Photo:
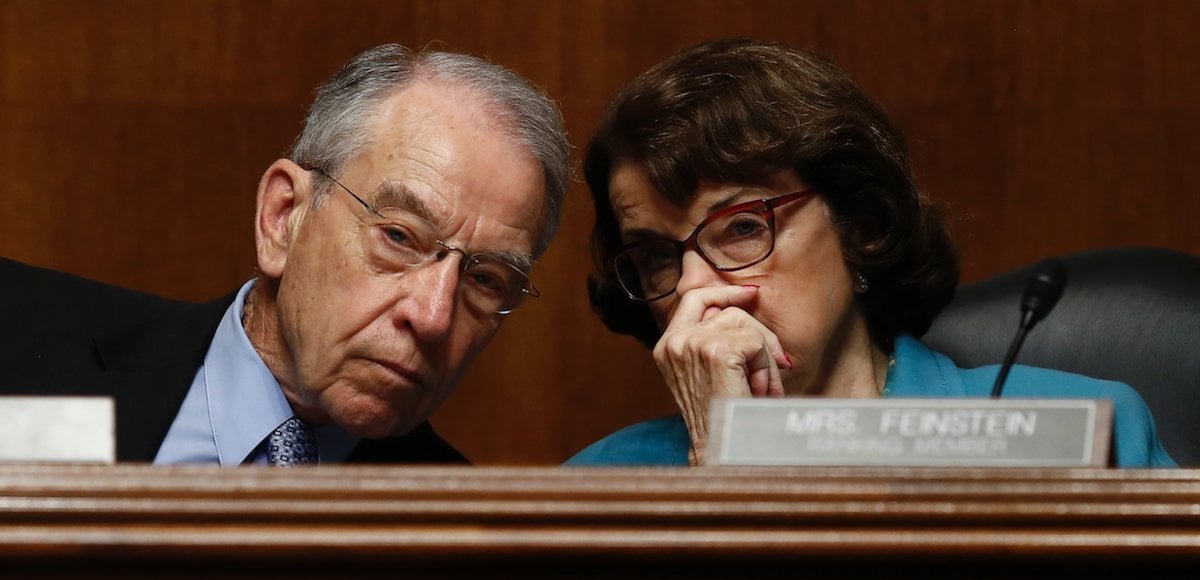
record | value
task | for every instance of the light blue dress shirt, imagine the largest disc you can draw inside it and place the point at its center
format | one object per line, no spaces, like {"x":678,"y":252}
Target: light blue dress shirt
{"x":234,"y":402}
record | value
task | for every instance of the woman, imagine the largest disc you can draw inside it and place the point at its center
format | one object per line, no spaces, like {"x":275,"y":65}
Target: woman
{"x":808,"y":261}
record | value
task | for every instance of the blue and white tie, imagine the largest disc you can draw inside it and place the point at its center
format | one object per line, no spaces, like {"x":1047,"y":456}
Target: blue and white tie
{"x":291,"y":443}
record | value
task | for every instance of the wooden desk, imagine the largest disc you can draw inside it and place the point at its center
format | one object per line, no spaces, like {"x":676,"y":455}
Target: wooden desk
{"x":367,"y":522}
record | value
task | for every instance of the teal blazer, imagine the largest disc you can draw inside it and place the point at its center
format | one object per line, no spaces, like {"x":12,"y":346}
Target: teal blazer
{"x":921,"y":372}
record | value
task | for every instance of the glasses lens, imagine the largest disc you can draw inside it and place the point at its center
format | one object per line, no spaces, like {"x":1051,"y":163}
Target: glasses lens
{"x":649,"y":270}
{"x":398,"y":242}
{"x":492,"y":284}
{"x":737,"y":240}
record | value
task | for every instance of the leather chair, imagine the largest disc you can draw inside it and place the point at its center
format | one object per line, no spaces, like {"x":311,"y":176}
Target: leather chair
{"x":1130,"y":314}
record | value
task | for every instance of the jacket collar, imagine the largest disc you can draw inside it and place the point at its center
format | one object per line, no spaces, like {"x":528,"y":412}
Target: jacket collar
{"x":922,"y":372}
{"x":147,"y":368}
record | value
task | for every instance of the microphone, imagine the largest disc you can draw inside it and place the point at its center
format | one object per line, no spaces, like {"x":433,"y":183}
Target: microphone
{"x":1041,"y":294}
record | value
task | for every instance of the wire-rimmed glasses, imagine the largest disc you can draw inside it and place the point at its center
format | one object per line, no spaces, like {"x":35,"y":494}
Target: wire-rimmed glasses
{"x":398,"y":241}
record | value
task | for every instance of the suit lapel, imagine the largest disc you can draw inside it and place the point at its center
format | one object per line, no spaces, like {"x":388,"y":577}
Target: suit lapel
{"x":148,"y":368}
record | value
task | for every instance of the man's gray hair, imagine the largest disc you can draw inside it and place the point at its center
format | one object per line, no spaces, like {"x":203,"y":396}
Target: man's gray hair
{"x":336,"y":128}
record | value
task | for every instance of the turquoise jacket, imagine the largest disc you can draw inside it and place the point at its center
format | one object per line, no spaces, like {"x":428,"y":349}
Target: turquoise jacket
{"x":921,"y":372}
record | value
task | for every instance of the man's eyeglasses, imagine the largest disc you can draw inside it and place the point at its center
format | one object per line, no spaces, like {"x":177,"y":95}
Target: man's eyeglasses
{"x":398,"y":241}
{"x":736,"y":237}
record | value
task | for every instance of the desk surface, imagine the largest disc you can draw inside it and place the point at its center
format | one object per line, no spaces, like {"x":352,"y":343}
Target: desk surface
{"x":61,"y":521}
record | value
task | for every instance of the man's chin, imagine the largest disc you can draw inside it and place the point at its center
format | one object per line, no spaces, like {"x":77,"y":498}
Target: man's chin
{"x":376,"y":421}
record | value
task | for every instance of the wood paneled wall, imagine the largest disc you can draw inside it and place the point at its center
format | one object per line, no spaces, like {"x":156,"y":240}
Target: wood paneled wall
{"x":133,"y":134}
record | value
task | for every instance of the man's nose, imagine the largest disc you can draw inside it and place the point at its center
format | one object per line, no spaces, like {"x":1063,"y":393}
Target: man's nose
{"x":695,"y":272}
{"x":430,"y":299}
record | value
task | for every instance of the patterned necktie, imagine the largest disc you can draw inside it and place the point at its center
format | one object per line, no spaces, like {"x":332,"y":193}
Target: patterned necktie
{"x":292,"y":443}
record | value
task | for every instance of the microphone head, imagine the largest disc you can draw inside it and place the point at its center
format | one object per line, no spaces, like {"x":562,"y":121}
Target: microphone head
{"x":1044,"y":289}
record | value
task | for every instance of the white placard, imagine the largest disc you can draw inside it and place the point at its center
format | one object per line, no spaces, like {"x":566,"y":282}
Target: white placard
{"x":57,"y":429}
{"x":910,"y":432}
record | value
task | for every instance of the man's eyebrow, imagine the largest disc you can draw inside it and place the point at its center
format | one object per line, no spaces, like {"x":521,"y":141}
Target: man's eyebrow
{"x":392,"y":195}
{"x":523,"y":261}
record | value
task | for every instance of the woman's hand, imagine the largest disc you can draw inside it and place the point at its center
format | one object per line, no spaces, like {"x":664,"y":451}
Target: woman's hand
{"x":712,"y":347}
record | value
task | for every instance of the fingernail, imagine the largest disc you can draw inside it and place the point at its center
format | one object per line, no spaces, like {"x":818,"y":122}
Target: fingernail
{"x":750,"y":286}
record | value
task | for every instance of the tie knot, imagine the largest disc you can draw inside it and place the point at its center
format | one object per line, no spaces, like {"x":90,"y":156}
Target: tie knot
{"x":291,"y":443}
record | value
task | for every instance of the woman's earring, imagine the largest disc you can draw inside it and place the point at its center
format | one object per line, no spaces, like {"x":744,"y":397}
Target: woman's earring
{"x":863,"y":285}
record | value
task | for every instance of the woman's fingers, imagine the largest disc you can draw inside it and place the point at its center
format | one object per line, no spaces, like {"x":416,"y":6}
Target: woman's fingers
{"x":703,"y":305}
{"x":764,"y":376}
{"x":714,"y":348}
{"x":695,"y":304}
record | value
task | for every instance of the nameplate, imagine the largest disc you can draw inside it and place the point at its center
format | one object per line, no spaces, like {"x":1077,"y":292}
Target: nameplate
{"x":910,"y":432}
{"x":57,"y":429}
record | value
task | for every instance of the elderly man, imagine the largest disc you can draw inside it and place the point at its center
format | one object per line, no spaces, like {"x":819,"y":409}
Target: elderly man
{"x":390,"y":245}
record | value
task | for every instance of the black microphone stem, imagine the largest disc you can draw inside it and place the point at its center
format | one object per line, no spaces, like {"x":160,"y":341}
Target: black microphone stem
{"x":1011,"y":358}
{"x":1041,"y":294}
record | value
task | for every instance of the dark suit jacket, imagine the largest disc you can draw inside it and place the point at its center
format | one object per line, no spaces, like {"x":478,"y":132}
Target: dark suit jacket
{"x":65,"y":335}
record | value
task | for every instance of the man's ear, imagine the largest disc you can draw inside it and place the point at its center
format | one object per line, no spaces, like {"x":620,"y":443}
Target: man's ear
{"x":282,"y":192}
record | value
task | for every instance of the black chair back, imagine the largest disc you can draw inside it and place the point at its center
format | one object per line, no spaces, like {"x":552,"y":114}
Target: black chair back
{"x":1130,"y":314}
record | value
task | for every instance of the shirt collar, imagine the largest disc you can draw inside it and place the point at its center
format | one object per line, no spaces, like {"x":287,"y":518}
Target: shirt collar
{"x":245,"y":401}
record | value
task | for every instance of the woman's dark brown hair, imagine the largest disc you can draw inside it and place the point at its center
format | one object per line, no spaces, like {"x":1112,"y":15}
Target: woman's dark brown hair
{"x":737,"y":111}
